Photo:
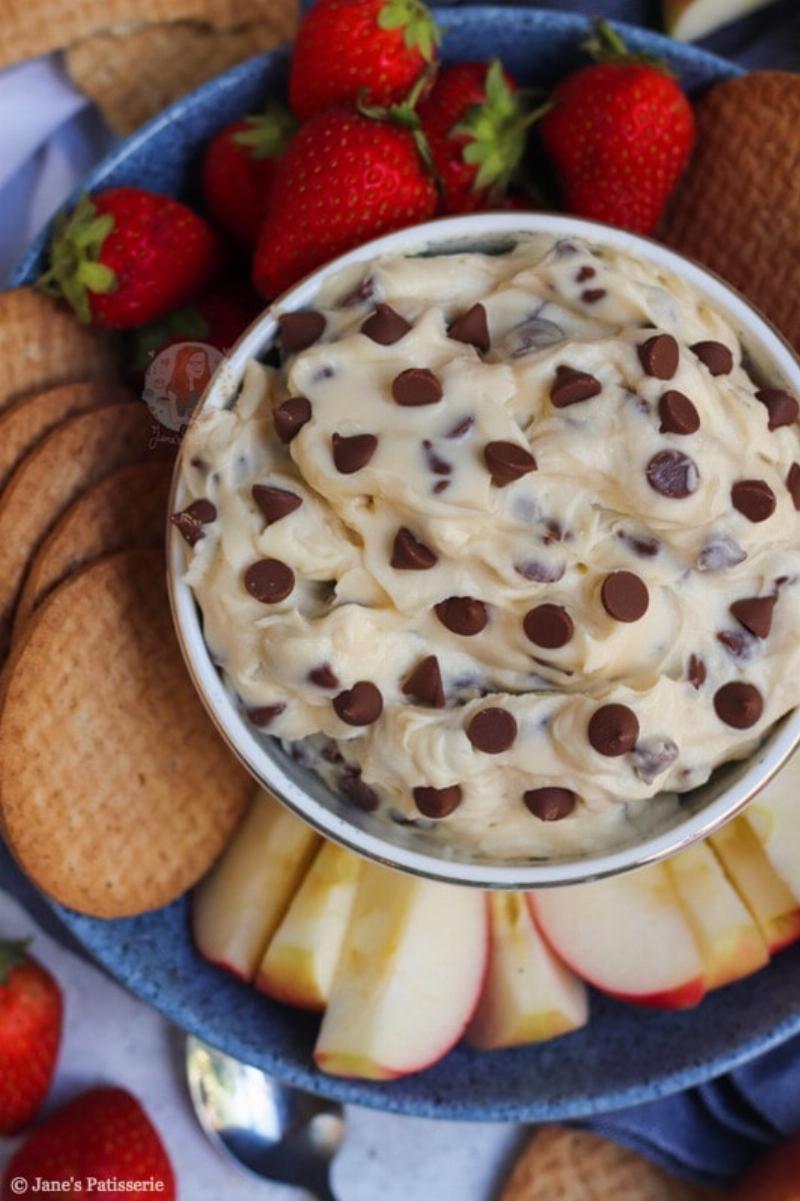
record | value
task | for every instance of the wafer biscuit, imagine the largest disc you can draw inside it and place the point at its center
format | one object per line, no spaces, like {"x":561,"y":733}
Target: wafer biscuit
{"x":72,"y":456}
{"x":127,"y":509}
{"x":737,"y":209}
{"x":24,"y":423}
{"x":134,"y":74}
{"x":42,"y":344}
{"x":572,"y":1165}
{"x":33,"y":27}
{"x":117,"y":794}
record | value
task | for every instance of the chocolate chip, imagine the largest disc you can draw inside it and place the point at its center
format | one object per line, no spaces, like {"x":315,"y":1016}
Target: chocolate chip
{"x":416,"y":386}
{"x":570,"y":387}
{"x":738,"y":644}
{"x":592,"y":295}
{"x":425,"y":683}
{"x":585,"y":273}
{"x":793,"y":484}
{"x":264,"y":715}
{"x":540,"y":571}
{"x":660,"y":356}
{"x":717,"y":357}
{"x":624,"y":596}
{"x":678,"y":414}
{"x":300,"y":330}
{"x":441,"y":486}
{"x":549,"y":804}
{"x":651,"y":760}
{"x":696,"y":672}
{"x":672,"y":473}
{"x":360,"y":705}
{"x":492,"y":731}
{"x":718,"y":552}
{"x":353,"y":789}
{"x":275,"y":503}
{"x":461,"y":428}
{"x":755,"y":614}
{"x":781,"y":407}
{"x":324,"y":676}
{"x":462,"y":615}
{"x":754,"y":499}
{"x":507,"y":462}
{"x":641,"y":545}
{"x":385,"y":326}
{"x":438,"y":802}
{"x":739,"y":705}
{"x":436,"y":463}
{"x":290,"y":417}
{"x":189,"y":523}
{"x":472,"y":328}
{"x":269,"y":581}
{"x":549,"y":626}
{"x":352,"y":453}
{"x":613,"y":730}
{"x":409,"y":554}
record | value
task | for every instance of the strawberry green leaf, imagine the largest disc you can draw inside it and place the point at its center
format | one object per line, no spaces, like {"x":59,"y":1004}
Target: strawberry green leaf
{"x":75,"y":269}
{"x":269,"y":133}
{"x":188,"y":324}
{"x":606,"y":45}
{"x":414,"y":17}
{"x":12,"y":954}
{"x":496,"y":131}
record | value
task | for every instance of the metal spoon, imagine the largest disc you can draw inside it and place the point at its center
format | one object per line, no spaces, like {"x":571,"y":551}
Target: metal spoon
{"x":276,"y":1132}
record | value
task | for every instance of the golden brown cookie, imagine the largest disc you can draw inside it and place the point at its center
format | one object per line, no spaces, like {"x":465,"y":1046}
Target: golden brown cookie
{"x":125,"y":510}
{"x":72,"y":456}
{"x":737,"y":209}
{"x":133,"y":74}
{"x":22,"y":424}
{"x":572,"y":1165}
{"x":42,"y":343}
{"x":117,"y":793}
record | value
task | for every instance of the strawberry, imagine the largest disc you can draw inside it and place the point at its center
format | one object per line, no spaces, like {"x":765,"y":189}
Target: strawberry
{"x":360,"y":49}
{"x":30,"y":1033}
{"x":346,"y":177}
{"x":475,"y":121}
{"x":125,"y":257}
{"x":103,"y":1134}
{"x":218,"y":317}
{"x":238,"y":168}
{"x":620,"y":133}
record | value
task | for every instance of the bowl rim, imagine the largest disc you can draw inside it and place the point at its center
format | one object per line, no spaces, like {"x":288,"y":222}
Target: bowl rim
{"x":237,"y":732}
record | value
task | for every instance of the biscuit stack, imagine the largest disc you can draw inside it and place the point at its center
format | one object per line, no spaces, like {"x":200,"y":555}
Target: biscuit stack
{"x":116,"y":793}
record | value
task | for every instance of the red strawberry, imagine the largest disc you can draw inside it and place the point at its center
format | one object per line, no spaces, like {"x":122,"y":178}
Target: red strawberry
{"x":30,"y":1032}
{"x":218,"y":317}
{"x":620,"y":133}
{"x":345,"y":178}
{"x":238,"y":168}
{"x":475,"y":122}
{"x":351,"y":49}
{"x":125,"y":257}
{"x":104,"y":1134}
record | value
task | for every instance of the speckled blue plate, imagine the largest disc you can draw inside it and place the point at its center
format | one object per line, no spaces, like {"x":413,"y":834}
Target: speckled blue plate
{"x":626,"y":1054}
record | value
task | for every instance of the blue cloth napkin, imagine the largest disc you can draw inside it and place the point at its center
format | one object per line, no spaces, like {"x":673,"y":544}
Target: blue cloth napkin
{"x":709,"y":1134}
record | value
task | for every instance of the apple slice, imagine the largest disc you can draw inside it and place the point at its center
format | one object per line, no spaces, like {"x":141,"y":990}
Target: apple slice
{"x":301,"y":959}
{"x":774,"y":818}
{"x":730,"y":941}
{"x":529,"y":995}
{"x":691,"y":19}
{"x":627,"y":936}
{"x":775,"y":909}
{"x":408,"y":979}
{"x":238,"y":906}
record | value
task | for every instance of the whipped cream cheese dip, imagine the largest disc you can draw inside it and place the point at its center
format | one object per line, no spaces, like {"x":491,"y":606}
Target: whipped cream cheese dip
{"x":508,"y":543}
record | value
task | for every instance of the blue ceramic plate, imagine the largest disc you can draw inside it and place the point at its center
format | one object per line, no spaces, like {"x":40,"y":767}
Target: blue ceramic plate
{"x":626,"y":1054}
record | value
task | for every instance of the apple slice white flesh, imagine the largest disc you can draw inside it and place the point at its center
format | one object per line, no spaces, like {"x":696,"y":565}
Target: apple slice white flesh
{"x":237,"y":908}
{"x":627,"y":936}
{"x":729,"y":939}
{"x":774,"y":818}
{"x":529,"y":995}
{"x":300,"y":961}
{"x":408,"y":979}
{"x":691,"y":19}
{"x":775,"y":909}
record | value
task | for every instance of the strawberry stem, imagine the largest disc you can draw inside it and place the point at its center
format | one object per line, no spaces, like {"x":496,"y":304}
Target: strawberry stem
{"x":12,"y":954}
{"x":420,"y":31}
{"x":268,"y":133}
{"x":496,"y":129}
{"x":606,"y":45}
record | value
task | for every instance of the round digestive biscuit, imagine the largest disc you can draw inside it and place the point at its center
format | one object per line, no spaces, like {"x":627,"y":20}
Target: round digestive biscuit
{"x":42,"y":344}
{"x":737,"y":208}
{"x":126,"y":509}
{"x":67,"y":461}
{"x":116,"y":792}
{"x":573,"y":1165}
{"x":26,"y":421}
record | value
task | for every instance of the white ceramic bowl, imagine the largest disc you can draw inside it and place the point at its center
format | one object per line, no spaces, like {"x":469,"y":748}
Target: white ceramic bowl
{"x":408,"y":848}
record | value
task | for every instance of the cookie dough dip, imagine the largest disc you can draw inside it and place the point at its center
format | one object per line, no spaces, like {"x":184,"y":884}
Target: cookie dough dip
{"x":505,"y":544}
